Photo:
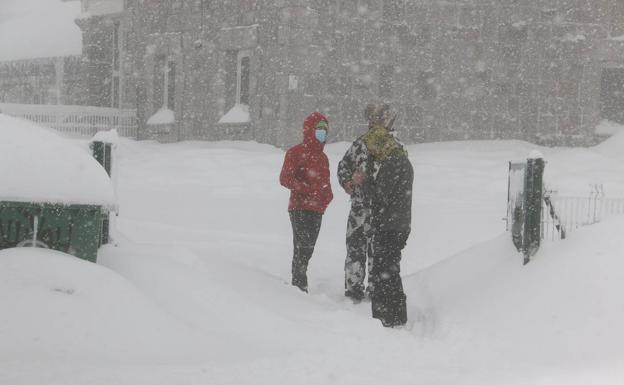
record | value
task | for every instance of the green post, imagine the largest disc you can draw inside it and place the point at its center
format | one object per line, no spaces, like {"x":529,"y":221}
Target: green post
{"x":533,"y":194}
{"x":102,"y":152}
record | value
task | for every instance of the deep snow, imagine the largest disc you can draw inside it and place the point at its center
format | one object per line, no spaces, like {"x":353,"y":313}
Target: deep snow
{"x":196,"y":290}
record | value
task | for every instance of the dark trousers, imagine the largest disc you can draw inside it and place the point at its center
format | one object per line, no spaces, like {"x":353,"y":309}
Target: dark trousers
{"x":358,"y":251}
{"x":387,"y":296}
{"x":306,"y":226}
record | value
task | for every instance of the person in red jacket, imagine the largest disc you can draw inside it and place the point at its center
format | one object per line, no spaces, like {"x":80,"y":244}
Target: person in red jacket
{"x":306,"y":174}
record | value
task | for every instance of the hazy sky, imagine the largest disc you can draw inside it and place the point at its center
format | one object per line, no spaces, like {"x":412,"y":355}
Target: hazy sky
{"x":38,"y":28}
{"x":14,"y":8}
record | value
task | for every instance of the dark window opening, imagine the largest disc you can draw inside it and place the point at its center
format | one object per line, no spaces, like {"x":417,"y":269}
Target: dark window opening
{"x":171,"y":80}
{"x":230,"y":78}
{"x":244,"y":81}
{"x":158,"y":83}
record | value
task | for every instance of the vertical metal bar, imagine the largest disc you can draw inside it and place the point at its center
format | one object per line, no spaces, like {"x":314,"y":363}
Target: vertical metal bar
{"x":35,"y":230}
{"x":580,"y":209}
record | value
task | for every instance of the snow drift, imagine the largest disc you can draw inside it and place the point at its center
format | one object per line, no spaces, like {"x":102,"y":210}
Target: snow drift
{"x":203,"y":259}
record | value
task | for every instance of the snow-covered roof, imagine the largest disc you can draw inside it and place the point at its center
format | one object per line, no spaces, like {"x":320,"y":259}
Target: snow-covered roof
{"x":32,"y":29}
{"x":39,"y":165}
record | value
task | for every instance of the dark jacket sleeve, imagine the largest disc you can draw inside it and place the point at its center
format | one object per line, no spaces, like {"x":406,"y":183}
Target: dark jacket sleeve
{"x":288,"y":175}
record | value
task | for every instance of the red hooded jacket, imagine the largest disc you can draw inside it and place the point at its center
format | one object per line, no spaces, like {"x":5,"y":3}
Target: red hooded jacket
{"x":306,"y":171}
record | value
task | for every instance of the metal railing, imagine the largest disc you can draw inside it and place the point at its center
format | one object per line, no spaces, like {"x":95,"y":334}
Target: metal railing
{"x":76,"y":120}
{"x":562,"y":215}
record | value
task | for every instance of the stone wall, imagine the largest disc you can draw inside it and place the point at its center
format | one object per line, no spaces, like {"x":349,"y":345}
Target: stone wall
{"x":97,"y":51}
{"x":42,"y":81}
{"x":457,"y":69}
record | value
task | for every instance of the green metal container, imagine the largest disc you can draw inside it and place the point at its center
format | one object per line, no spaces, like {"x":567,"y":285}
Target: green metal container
{"x":73,"y":229}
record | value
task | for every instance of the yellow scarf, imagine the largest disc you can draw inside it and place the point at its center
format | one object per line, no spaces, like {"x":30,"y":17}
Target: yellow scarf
{"x":381,"y":144}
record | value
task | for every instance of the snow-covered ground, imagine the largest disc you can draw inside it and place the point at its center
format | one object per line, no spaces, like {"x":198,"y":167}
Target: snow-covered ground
{"x":196,"y":290}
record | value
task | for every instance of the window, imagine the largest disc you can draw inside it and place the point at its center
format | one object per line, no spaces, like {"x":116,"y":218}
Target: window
{"x":237,"y":87}
{"x":612,"y":94}
{"x":164,"y":83}
{"x":237,"y":70}
{"x":158,"y":83}
{"x":242,"y":93}
{"x":238,"y":77}
{"x":170,"y":81}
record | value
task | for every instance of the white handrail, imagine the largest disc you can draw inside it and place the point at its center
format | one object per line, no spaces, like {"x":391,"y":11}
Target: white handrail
{"x":76,"y":120}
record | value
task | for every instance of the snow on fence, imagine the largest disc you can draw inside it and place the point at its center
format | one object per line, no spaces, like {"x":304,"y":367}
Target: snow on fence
{"x":572,"y":212}
{"x":76,"y":120}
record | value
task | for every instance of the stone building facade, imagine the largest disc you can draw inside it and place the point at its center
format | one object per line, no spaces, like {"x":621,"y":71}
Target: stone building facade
{"x":41,"y":65}
{"x":56,"y":80}
{"x":546,"y":71}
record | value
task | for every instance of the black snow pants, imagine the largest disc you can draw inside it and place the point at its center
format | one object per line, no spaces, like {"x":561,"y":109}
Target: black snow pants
{"x":387,"y":296}
{"x":358,"y":251}
{"x":306,"y":226}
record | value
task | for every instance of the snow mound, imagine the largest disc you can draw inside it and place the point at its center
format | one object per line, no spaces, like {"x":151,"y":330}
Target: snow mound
{"x":56,"y":306}
{"x":109,"y":136}
{"x":38,"y":165}
{"x":564,"y":306}
{"x":608,"y":128}
{"x":612,"y":147}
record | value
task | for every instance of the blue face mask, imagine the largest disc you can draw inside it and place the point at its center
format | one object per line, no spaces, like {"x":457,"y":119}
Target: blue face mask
{"x":321,"y":135}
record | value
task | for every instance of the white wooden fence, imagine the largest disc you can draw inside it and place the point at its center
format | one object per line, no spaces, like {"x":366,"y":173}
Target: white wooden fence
{"x":76,"y":120}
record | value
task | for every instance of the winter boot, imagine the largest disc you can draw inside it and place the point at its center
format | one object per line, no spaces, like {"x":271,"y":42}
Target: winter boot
{"x":355,"y":293}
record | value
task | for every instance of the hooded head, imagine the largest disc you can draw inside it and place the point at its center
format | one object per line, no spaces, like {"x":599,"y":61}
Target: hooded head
{"x":309,"y":127}
{"x":377,"y":114}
